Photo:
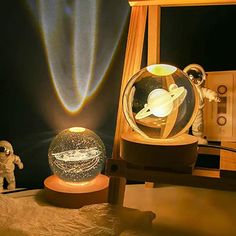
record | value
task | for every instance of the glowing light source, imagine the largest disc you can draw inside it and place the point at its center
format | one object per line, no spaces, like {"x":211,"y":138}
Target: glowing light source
{"x":77,"y":129}
{"x":76,"y":155}
{"x":161,"y":69}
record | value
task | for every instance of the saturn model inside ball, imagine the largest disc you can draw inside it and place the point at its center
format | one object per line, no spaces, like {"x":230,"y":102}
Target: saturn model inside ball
{"x":160,"y":102}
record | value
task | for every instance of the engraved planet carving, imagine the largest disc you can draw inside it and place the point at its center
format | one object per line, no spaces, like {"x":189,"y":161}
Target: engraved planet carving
{"x":161,"y":103}
{"x":76,"y":155}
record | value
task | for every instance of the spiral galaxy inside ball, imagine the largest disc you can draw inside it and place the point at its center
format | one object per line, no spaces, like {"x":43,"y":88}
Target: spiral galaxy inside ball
{"x":160,"y":102}
{"x":76,"y":155}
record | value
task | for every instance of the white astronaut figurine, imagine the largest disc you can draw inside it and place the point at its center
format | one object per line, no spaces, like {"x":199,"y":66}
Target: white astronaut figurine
{"x":7,"y":165}
{"x":197,"y":74}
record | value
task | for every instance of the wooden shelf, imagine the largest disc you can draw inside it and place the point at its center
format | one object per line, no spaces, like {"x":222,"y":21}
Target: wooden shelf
{"x":209,"y":151}
{"x":228,"y":161}
{"x":200,"y":177}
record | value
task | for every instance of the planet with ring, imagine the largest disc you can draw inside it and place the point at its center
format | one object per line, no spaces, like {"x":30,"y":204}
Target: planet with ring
{"x":161,"y":103}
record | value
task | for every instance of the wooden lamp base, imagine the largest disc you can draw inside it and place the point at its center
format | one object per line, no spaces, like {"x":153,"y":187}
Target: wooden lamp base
{"x":176,"y":154}
{"x":76,"y":195}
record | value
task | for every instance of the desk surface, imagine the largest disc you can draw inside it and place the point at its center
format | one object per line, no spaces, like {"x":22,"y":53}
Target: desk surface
{"x":186,"y":210}
{"x":180,"y":210}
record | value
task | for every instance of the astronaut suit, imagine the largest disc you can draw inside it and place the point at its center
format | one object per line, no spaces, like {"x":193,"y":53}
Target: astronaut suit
{"x":7,"y":165}
{"x":197,"y":74}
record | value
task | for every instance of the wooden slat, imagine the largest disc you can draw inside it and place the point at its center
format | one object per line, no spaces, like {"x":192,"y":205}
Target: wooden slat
{"x":204,"y":172}
{"x":116,"y":190}
{"x":153,"y":56}
{"x":150,"y":185}
{"x":173,"y":116}
{"x":209,"y":151}
{"x":132,"y":64}
{"x":154,"y":25}
{"x":176,"y":3}
{"x":228,"y":161}
{"x":204,"y":178}
{"x":133,"y":57}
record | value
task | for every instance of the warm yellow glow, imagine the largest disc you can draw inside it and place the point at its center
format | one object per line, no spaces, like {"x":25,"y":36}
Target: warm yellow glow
{"x":161,"y":69}
{"x":77,"y":184}
{"x":77,"y":129}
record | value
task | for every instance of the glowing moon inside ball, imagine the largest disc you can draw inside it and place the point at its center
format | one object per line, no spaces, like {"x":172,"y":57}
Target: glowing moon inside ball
{"x":76,"y":155}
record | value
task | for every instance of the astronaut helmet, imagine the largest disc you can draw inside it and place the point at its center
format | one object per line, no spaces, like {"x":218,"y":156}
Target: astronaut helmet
{"x":196,"y":74}
{"x":6,"y":147}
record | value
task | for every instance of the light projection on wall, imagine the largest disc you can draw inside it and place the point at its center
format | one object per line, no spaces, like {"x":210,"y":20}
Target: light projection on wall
{"x":80,"y":39}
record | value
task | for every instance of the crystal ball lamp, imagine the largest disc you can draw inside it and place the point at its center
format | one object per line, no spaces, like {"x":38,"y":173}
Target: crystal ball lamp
{"x":76,"y":155}
{"x":160,"y":102}
{"x":76,"y":158}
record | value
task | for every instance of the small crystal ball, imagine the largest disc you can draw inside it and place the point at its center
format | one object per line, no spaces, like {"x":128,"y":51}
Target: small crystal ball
{"x":76,"y":155}
{"x":160,"y":102}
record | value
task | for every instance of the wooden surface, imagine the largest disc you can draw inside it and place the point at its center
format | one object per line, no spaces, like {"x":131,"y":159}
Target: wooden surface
{"x":200,"y":177}
{"x":209,"y":151}
{"x":178,"y":154}
{"x":56,"y":184}
{"x":154,"y":28}
{"x":133,"y":57}
{"x":132,"y":64}
{"x":174,"y":3}
{"x":116,"y":190}
{"x":228,"y":161}
{"x":184,"y":211}
{"x":184,"y":139}
{"x":76,"y":195}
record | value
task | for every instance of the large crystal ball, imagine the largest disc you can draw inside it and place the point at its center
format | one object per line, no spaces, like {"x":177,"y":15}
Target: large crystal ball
{"x":76,"y":155}
{"x":160,"y":101}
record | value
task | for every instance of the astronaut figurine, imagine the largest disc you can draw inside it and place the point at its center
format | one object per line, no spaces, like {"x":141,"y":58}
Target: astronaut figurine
{"x":7,"y":165}
{"x":197,"y":74}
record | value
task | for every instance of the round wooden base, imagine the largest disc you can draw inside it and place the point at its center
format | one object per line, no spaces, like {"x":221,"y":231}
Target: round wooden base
{"x":178,"y":154}
{"x":76,"y":195}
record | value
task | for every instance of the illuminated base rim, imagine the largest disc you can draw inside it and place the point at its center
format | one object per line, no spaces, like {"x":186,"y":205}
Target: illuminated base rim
{"x":178,"y":154}
{"x":76,"y":195}
{"x":183,"y":139}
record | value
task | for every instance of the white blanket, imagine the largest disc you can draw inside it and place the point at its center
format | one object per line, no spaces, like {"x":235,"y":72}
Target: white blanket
{"x":25,"y":217}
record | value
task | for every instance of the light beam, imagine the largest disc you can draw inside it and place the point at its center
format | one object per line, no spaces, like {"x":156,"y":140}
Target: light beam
{"x":80,"y":39}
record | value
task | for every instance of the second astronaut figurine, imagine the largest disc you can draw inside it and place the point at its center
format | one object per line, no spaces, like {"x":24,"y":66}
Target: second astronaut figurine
{"x":197,"y":74}
{"x":7,"y":165}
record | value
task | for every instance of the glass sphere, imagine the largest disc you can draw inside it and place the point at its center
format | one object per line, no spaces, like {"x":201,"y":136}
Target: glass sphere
{"x":76,"y":155}
{"x":160,"y":102}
